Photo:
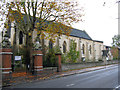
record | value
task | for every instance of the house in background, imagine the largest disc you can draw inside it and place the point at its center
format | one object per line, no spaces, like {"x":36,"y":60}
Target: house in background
{"x":109,"y":53}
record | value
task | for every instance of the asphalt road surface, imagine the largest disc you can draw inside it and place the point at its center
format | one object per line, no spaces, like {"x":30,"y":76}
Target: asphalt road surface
{"x":103,"y":78}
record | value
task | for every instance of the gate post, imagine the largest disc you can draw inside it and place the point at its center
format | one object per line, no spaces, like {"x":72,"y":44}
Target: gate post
{"x":59,"y":68}
{"x":38,"y":62}
{"x":6,"y":58}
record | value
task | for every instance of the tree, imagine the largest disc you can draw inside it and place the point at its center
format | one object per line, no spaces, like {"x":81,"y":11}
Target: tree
{"x":115,"y":46}
{"x":115,"y":52}
{"x":53,"y":17}
{"x":116,"y":41}
{"x":72,"y":54}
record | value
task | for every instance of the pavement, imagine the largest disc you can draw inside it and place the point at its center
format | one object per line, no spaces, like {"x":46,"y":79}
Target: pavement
{"x":25,"y":78}
{"x":83,"y":70}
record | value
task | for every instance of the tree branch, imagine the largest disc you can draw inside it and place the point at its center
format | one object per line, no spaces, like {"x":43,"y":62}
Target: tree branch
{"x":29,"y":11}
{"x":41,"y":9}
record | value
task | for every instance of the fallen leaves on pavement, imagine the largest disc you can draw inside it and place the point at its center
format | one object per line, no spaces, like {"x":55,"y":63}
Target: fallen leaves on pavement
{"x":20,"y":74}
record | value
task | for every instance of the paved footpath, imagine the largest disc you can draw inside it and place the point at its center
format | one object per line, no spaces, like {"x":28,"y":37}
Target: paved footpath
{"x":83,"y":70}
{"x":27,"y":79}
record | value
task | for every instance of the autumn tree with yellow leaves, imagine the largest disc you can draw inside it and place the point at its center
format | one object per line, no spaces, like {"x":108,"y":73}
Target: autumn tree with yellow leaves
{"x":53,"y":17}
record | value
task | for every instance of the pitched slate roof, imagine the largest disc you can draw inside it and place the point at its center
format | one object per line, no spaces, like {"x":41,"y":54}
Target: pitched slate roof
{"x":98,"y":41}
{"x":75,"y":32}
{"x":80,"y":34}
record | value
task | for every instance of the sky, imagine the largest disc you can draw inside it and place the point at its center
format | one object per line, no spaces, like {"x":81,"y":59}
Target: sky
{"x":100,"y":20}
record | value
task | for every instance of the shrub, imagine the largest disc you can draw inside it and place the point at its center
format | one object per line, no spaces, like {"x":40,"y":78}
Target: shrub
{"x":50,"y":57}
{"x":72,"y":55}
{"x":63,"y":58}
{"x":57,"y":49}
{"x":100,"y":60}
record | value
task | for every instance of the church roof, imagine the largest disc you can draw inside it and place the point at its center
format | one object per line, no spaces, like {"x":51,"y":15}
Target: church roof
{"x":74,"y":32}
{"x":98,"y":41}
{"x":80,"y":34}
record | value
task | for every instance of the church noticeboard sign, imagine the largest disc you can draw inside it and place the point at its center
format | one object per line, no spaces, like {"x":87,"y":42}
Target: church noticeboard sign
{"x":17,"y":58}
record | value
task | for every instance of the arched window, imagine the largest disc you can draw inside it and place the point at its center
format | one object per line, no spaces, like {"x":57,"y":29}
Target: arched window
{"x":20,"y":37}
{"x":83,"y":48}
{"x":90,"y":49}
{"x":64,"y":47}
{"x":50,"y":44}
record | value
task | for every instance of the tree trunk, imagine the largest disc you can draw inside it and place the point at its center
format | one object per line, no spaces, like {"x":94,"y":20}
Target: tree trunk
{"x":29,"y":56}
{"x":27,"y":53}
{"x":14,"y":51}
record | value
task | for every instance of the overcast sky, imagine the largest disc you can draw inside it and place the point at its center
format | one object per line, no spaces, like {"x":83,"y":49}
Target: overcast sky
{"x":101,"y":21}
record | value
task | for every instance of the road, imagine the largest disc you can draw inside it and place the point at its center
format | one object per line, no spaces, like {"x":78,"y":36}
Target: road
{"x":103,"y":78}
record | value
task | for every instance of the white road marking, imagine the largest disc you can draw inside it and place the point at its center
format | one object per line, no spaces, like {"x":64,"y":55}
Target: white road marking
{"x":117,"y":87}
{"x":70,"y":85}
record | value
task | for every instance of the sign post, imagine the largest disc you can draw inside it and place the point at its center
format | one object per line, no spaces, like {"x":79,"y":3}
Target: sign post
{"x":17,"y":58}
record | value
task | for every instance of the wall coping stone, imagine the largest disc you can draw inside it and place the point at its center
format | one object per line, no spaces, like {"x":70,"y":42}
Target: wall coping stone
{"x":37,"y":54}
{"x":5,"y":53}
{"x":81,"y":63}
{"x":49,"y":68}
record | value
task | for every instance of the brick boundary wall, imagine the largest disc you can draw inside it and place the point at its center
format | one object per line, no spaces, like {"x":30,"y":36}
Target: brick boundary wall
{"x":86,"y":64}
{"x":49,"y":70}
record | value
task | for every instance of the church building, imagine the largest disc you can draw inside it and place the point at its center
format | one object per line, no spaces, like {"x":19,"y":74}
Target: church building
{"x":90,"y":50}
